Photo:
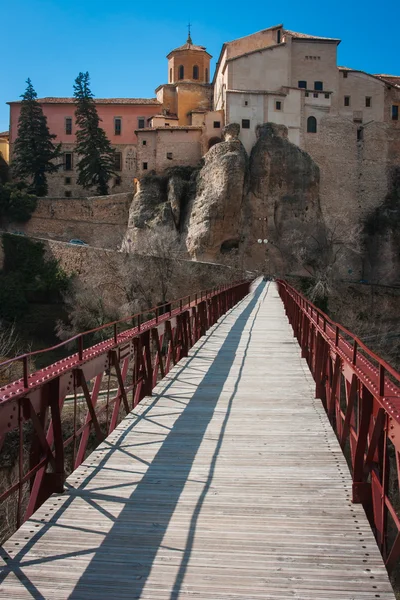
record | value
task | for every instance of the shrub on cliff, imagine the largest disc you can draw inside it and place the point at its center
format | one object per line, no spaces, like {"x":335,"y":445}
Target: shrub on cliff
{"x":28,"y":277}
{"x":97,"y":159}
{"x":16,"y":203}
{"x":34,"y":152}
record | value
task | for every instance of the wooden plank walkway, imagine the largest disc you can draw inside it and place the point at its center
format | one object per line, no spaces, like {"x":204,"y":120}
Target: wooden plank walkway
{"x":227,"y":484}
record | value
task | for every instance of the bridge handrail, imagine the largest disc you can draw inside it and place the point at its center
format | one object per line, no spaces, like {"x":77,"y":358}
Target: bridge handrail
{"x":141,"y":325}
{"x":362,"y":401}
{"x":337,"y":325}
{"x":137,"y":358}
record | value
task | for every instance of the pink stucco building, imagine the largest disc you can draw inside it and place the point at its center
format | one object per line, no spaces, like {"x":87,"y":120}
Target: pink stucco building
{"x":120,"y":117}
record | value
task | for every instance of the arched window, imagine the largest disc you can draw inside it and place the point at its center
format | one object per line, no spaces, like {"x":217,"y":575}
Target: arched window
{"x":195,"y":72}
{"x":311,"y":125}
{"x":181,"y":72}
{"x":170,"y":75}
{"x":206,"y":75}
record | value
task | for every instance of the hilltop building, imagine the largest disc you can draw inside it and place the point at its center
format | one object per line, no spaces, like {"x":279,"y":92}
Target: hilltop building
{"x":4,"y":145}
{"x":346,"y":119}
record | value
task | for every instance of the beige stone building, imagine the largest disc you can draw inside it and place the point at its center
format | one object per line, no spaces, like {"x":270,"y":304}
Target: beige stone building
{"x":292,"y":79}
{"x":347,"y":120}
{"x":4,"y":145}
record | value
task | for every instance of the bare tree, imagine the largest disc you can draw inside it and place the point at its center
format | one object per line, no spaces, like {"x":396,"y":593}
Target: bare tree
{"x":322,"y":252}
{"x":10,"y":346}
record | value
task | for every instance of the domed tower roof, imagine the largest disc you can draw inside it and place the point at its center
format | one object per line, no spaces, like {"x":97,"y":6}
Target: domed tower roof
{"x":188,"y":46}
{"x":189,"y":63}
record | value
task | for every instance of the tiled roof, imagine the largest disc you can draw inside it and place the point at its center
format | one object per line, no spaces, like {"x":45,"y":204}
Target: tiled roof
{"x":164,"y":116}
{"x":189,"y":47}
{"x":392,"y":79}
{"x":172,"y":128}
{"x":4,"y":134}
{"x":140,"y":101}
{"x":306,"y":36}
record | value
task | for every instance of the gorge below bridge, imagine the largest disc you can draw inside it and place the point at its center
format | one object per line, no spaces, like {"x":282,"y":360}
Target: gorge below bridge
{"x":249,"y":451}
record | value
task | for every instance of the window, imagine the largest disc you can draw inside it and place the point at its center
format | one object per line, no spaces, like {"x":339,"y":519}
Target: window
{"x":307,"y":94}
{"x":311,"y":125}
{"x":395,"y":112}
{"x":169,"y":155}
{"x":318,"y":85}
{"x":246,"y":102}
{"x":315,"y":94}
{"x":144,"y":166}
{"x":140,"y":123}
{"x":347,"y":100}
{"x":170,"y":75}
{"x":68,"y":161}
{"x":118,"y":161}
{"x":278,"y":36}
{"x":344,"y":74}
{"x":181,"y":72}
{"x":166,"y":124}
{"x":195,"y":72}
{"x":206,"y":75}
{"x":144,"y":143}
{"x":67,"y":181}
{"x":68,"y":125}
{"x":245,"y":123}
{"x":217,"y":124}
{"x":368,"y":101}
{"x":117,"y":125}
{"x":68,"y":193}
{"x":327,"y":96}
{"x":360,"y":134}
{"x":117,"y":181}
{"x":278,"y":105}
{"x":302,"y":84}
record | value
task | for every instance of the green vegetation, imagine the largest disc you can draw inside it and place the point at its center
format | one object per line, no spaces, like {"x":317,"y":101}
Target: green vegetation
{"x":34,"y":151}
{"x":97,"y":158}
{"x":16,"y":203}
{"x":28,"y":277}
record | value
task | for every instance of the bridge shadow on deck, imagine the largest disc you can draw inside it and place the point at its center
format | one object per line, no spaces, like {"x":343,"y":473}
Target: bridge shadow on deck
{"x":122,"y":562}
{"x":138,"y":553}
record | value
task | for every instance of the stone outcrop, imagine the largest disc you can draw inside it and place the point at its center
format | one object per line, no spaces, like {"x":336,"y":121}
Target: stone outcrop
{"x":283,"y":192}
{"x":214,"y":218}
{"x":159,"y":201}
{"x":232,"y":201}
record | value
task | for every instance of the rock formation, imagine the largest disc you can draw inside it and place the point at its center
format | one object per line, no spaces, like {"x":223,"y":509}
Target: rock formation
{"x":232,"y":201}
{"x":283,"y":193}
{"x":214,"y":220}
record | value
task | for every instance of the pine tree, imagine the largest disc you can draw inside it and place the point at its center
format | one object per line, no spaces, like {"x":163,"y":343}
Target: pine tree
{"x":34,"y":152}
{"x":96,"y":164}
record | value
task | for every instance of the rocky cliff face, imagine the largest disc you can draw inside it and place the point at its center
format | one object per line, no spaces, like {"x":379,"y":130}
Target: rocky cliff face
{"x":159,"y":201}
{"x":240,"y":201}
{"x":382,"y":236}
{"x":283,"y":194}
{"x":232,"y":201}
{"x":215,"y":216}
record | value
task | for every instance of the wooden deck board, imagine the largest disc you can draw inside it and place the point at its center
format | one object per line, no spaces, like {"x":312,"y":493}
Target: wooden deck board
{"x":227,"y":484}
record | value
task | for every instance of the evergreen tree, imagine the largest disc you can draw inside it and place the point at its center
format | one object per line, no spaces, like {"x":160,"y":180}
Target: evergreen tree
{"x":96,"y":164}
{"x":34,"y":152}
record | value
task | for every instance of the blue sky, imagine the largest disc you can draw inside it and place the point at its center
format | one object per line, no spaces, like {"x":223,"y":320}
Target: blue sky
{"x":123,"y":44}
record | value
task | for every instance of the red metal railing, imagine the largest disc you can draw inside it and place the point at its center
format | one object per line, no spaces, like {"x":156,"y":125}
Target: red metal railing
{"x":33,"y":408}
{"x":361,"y":395}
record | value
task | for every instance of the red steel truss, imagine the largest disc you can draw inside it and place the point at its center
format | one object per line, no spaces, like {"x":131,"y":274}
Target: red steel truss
{"x":361,"y":395}
{"x":32,"y":409}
